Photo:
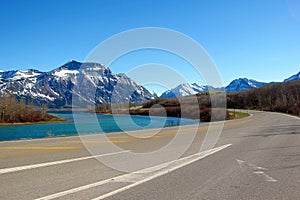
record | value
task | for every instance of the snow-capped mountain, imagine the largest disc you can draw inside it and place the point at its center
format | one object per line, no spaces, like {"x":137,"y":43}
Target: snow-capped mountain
{"x":184,"y":89}
{"x":292,"y":78}
{"x":84,"y":83}
{"x":243,"y":84}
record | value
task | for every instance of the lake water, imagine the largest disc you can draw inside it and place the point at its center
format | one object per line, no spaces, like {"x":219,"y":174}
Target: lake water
{"x":87,"y":123}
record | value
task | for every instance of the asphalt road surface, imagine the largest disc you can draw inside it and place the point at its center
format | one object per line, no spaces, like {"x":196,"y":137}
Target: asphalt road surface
{"x":255,"y":158}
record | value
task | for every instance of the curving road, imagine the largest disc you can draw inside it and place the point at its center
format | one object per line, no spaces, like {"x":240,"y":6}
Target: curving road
{"x":255,"y":158}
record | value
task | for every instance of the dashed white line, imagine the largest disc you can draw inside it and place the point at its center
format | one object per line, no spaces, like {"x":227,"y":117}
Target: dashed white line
{"x":257,"y":170}
{"x":267,"y":177}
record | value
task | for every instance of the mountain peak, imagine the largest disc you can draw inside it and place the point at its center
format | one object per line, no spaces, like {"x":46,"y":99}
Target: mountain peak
{"x":73,"y":61}
{"x":184,"y":89}
{"x":71,"y":65}
{"x":243,"y":84}
{"x":74,"y":67}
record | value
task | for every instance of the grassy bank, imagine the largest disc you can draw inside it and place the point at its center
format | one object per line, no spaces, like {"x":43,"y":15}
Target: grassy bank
{"x":237,"y":115}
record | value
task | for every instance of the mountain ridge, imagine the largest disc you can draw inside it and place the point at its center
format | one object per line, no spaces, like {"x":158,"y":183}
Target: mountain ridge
{"x":293,"y":77}
{"x":73,"y":82}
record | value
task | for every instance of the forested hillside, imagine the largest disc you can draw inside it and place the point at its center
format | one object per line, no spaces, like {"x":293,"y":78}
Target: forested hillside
{"x":283,"y":97}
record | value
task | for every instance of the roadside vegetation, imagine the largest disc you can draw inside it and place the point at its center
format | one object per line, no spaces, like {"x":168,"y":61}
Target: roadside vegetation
{"x":17,"y":111}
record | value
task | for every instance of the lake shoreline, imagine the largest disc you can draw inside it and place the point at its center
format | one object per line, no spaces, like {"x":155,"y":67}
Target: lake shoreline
{"x":87,"y":124}
{"x":115,"y":132}
{"x":107,"y":122}
{"x":32,"y":123}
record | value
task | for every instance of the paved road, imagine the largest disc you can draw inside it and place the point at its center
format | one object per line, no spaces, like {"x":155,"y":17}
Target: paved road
{"x":255,"y":158}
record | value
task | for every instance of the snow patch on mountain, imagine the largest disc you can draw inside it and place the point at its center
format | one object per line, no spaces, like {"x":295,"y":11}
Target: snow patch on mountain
{"x":292,"y":78}
{"x":65,"y":73}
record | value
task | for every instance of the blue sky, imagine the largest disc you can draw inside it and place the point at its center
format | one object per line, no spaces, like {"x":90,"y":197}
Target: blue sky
{"x":258,"y":39}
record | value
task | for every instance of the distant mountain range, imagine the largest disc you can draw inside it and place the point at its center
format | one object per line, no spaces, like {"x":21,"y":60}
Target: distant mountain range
{"x":236,"y":85}
{"x":93,"y":83}
{"x":86,"y":83}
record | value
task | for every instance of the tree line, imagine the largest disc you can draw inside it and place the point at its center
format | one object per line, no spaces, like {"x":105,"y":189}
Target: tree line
{"x":13,"y":110}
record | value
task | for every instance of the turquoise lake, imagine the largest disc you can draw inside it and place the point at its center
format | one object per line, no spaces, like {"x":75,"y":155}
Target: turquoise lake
{"x":86,"y":123}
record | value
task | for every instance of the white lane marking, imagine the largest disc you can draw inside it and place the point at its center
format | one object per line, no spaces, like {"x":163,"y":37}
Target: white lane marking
{"x":27,"y":167}
{"x":256,"y":170}
{"x":267,"y":177}
{"x":140,"y":176}
{"x":166,"y":170}
{"x":260,"y":168}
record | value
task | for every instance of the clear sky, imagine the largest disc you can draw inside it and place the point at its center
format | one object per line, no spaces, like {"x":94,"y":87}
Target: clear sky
{"x":258,"y":39}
